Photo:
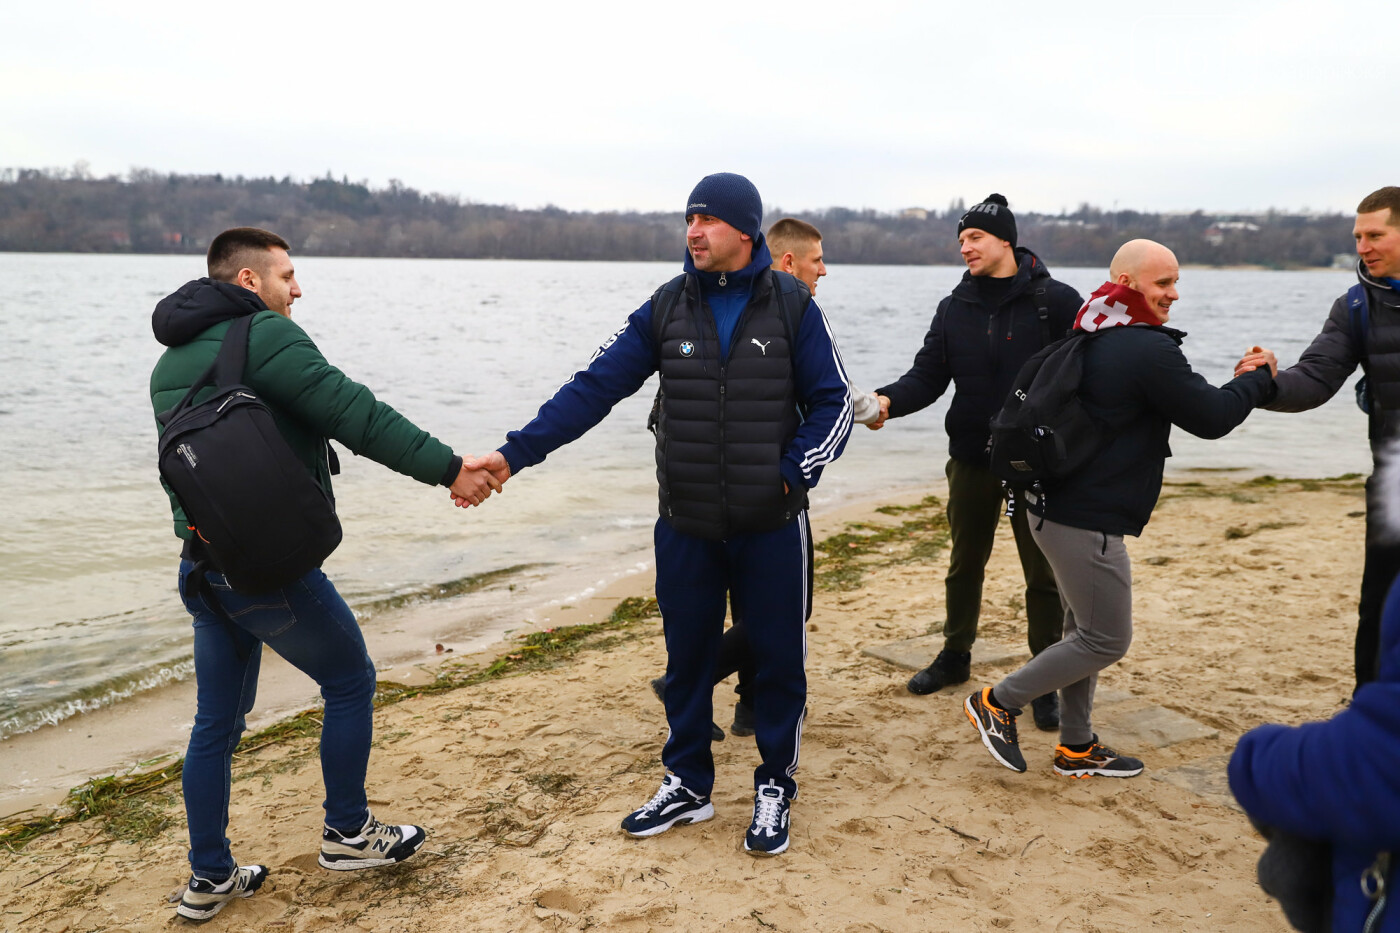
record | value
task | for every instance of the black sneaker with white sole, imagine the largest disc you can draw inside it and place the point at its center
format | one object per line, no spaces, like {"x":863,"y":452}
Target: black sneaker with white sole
{"x":375,"y":845}
{"x":204,"y":898}
{"x":997,"y":727}
{"x":772,"y":812}
{"x":674,"y":804}
{"x":1098,"y":761}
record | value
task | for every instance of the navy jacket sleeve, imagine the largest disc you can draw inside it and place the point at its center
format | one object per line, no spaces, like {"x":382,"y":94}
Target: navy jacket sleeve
{"x":824,"y":393}
{"x":616,"y":371}
{"x":1187,"y":400}
{"x":927,"y":379}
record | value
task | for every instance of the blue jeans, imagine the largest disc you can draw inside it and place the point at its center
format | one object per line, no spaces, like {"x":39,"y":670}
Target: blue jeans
{"x":310,"y":626}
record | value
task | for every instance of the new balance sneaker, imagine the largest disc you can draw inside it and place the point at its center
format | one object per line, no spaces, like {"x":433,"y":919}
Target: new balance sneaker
{"x":204,"y":898}
{"x":949,"y":668}
{"x":1045,"y":710}
{"x":375,"y":845}
{"x":1098,"y":760}
{"x":674,"y":804}
{"x":997,"y":727}
{"x":744,"y":723}
{"x":768,"y":833}
{"x":658,"y":687}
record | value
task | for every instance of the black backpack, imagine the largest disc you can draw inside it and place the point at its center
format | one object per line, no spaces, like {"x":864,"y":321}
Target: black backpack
{"x":258,"y":515}
{"x":1042,"y":431}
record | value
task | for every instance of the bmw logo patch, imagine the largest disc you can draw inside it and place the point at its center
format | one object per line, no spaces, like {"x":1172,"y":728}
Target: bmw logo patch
{"x":687,"y":348}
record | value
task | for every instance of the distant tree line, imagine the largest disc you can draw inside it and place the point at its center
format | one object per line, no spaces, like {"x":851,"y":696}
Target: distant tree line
{"x":70,"y":210}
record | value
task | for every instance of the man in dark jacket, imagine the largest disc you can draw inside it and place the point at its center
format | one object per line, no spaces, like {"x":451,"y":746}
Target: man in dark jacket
{"x":306,"y":622}
{"x":1349,"y":338}
{"x":1137,"y":384}
{"x":754,"y":404}
{"x":1005,"y":309}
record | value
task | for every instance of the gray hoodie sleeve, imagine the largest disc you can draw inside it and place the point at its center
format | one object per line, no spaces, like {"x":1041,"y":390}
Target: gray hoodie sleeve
{"x":1323,"y":367}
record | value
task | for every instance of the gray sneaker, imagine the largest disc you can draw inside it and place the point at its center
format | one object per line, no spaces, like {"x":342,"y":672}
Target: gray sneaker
{"x":375,"y":845}
{"x":204,"y":898}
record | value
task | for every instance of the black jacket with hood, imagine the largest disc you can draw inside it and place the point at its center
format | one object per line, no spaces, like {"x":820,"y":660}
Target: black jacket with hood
{"x":980,"y":350}
{"x":1138,"y":384}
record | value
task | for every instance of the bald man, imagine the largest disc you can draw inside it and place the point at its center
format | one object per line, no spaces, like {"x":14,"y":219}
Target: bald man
{"x":1138,"y":384}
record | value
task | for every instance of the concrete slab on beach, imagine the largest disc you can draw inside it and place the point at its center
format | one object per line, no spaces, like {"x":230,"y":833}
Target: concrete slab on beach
{"x":917,"y":653}
{"x":1148,"y":727}
{"x":1206,"y":777}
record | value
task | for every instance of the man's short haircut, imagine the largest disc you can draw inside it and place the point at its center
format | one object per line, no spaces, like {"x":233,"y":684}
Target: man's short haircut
{"x":239,"y":248}
{"x":789,"y":233}
{"x":1379,"y":200}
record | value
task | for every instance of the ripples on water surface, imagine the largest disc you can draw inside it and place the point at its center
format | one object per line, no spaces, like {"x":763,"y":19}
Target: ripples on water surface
{"x":468,"y":350}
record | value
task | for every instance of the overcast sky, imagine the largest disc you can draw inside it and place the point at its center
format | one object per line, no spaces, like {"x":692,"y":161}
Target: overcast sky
{"x":616,"y":106}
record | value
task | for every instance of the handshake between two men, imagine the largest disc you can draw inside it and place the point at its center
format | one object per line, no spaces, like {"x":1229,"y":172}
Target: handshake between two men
{"x":479,"y":477}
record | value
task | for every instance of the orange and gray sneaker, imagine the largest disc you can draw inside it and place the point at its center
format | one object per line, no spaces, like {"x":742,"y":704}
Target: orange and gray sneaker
{"x":997,"y":727}
{"x":1098,"y":760}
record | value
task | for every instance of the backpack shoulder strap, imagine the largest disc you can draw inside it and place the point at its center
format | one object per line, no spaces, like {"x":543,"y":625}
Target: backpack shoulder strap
{"x":227,"y":368}
{"x":1042,"y":310}
{"x":793,"y":298}
{"x":1359,"y":308}
{"x":663,"y":302}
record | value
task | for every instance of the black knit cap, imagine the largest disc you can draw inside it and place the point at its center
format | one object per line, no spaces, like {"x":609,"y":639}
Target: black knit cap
{"x":993,"y":216}
{"x":732,"y":198}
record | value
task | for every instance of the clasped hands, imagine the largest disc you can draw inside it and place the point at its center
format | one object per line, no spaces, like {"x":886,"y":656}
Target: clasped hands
{"x":1256,"y":357}
{"x":480,"y":476}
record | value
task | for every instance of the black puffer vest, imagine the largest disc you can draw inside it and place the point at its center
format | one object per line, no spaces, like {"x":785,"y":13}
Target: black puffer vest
{"x":724,"y":422}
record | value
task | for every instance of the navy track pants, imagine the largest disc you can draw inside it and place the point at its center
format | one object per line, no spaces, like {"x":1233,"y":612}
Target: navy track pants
{"x":770,"y":575}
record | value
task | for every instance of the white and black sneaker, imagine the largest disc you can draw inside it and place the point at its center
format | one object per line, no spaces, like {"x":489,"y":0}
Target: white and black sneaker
{"x":673,"y":804}
{"x":768,"y":833}
{"x":375,"y":845}
{"x":204,"y":898}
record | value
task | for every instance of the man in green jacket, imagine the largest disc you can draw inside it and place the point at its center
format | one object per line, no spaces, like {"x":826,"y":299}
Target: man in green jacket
{"x":307,"y":622}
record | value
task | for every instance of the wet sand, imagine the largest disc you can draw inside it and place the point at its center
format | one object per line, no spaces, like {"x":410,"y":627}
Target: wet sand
{"x":1244,"y":610}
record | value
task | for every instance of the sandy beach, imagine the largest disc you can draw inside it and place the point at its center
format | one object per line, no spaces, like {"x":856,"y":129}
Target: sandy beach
{"x":1244,"y":612}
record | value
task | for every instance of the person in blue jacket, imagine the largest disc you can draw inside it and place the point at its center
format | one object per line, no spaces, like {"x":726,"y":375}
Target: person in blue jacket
{"x":754,"y":403}
{"x":1328,"y":794}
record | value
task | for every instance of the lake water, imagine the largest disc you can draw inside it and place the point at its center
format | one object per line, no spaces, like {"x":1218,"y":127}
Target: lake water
{"x":468,"y":350}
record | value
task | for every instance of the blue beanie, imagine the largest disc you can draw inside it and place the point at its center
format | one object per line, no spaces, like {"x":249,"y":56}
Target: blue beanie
{"x":732,"y":198}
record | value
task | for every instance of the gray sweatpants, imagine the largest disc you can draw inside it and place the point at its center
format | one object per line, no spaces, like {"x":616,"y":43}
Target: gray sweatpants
{"x":1096,"y":589}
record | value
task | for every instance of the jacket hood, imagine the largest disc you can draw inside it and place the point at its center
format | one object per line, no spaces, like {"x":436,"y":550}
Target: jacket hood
{"x":760,"y":261}
{"x":196,"y":306}
{"x":1028,"y":268}
{"x":1366,"y":278}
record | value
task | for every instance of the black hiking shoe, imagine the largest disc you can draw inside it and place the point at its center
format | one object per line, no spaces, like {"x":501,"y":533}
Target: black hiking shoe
{"x":744,"y":723}
{"x":1046,"y":712}
{"x":658,"y":687}
{"x":949,"y":668}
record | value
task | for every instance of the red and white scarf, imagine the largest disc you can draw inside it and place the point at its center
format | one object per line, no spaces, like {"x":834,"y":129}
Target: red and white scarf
{"x":1114,"y":306}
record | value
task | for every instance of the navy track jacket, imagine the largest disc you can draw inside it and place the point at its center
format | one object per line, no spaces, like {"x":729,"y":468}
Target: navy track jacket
{"x":625,"y":361}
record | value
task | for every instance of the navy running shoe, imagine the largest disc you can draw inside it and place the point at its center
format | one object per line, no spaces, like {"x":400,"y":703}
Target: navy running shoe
{"x":768,"y":833}
{"x":204,"y":898}
{"x":674,"y":804}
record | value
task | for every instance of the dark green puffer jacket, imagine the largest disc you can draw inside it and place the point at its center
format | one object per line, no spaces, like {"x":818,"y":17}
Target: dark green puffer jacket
{"x":310,"y":399}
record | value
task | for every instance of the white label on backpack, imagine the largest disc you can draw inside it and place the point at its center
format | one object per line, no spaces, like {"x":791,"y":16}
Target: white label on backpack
{"x":186,"y":451}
